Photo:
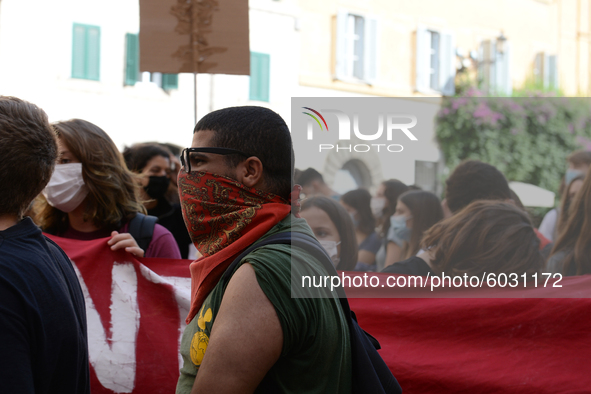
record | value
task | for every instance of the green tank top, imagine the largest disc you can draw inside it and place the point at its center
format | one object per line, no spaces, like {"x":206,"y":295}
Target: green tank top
{"x":316,"y":354}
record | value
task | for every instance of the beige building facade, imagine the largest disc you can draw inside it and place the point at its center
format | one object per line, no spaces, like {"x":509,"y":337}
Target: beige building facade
{"x":426,"y":49}
{"x":412,"y":48}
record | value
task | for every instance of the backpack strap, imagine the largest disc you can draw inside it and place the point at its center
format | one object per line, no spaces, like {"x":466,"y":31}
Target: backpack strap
{"x":281,"y":238}
{"x":370,"y":372}
{"x":141,"y":227}
{"x":312,"y":246}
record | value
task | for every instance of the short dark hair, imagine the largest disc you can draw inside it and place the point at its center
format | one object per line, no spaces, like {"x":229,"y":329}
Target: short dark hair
{"x":342,"y":221}
{"x":173,"y":148}
{"x":259,"y":132}
{"x":28,"y":149}
{"x":474,"y":180}
{"x":296,"y":175}
{"x":360,"y":200}
{"x":138,"y":155}
{"x":308,"y":176}
{"x":579,"y":157}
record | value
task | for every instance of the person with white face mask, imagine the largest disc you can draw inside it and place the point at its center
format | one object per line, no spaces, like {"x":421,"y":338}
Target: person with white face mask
{"x":416,"y":211}
{"x":377,"y":205}
{"x":66,"y":189}
{"x":578,"y":163}
{"x":333,"y":228}
{"x":92,"y":194}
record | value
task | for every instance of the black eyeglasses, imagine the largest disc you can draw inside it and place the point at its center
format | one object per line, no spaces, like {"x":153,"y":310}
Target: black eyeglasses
{"x":186,"y":155}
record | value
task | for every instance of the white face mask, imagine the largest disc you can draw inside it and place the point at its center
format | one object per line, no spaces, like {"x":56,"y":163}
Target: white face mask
{"x":66,"y":188}
{"x":377,"y":205}
{"x":331,"y":250}
{"x":398,"y":225}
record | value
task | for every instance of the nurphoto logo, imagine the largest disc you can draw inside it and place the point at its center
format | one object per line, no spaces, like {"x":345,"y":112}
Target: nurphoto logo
{"x":393,"y":124}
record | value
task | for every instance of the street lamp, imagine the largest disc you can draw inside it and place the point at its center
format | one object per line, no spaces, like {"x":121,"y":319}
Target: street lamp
{"x":472,"y":59}
{"x":501,"y":43}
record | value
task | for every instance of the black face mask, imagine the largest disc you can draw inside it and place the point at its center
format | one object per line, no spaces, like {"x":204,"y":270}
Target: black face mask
{"x":157,"y":186}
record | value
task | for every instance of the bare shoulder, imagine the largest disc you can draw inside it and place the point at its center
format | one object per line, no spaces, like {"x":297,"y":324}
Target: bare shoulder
{"x":246,"y":338}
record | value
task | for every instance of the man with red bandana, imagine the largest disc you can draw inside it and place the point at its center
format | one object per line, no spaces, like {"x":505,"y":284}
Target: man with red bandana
{"x":246,"y":333}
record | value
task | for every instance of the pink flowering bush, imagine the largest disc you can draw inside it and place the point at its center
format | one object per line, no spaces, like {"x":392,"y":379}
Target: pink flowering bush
{"x":527,"y":138}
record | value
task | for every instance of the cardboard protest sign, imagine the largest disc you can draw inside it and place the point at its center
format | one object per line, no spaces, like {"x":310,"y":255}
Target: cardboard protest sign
{"x":205,"y":36}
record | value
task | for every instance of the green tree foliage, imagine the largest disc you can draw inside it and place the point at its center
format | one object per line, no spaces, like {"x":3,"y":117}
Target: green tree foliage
{"x":526,"y":138}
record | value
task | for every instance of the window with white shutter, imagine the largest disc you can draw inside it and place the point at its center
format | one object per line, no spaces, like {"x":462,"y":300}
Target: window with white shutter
{"x":552,"y":72}
{"x":356,"y":47}
{"x":546,"y":71}
{"x":447,"y":64}
{"x":435,"y":61}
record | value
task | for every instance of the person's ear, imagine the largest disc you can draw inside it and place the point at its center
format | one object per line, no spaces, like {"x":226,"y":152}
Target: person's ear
{"x":250,"y":172}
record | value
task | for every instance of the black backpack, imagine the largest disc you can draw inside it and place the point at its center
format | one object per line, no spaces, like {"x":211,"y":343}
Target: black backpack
{"x":370,"y":374}
{"x":141,"y":227}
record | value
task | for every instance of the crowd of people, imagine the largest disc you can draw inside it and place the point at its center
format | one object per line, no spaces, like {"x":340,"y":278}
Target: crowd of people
{"x":96,"y":192}
{"x":218,"y":198}
{"x":479,"y":226}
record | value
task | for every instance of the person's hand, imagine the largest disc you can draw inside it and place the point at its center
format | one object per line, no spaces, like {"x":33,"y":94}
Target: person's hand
{"x":125,"y":240}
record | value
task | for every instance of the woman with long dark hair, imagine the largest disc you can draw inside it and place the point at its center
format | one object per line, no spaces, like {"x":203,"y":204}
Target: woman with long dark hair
{"x":357,"y":203}
{"x":333,"y":227}
{"x":571,"y":254}
{"x":567,"y":199}
{"x":153,"y":165}
{"x":383,"y":205}
{"x":416,"y":211}
{"x":93,"y":195}
{"x":486,"y":236}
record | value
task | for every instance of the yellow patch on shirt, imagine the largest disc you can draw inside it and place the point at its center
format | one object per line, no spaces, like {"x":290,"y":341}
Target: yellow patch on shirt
{"x":200,"y":339}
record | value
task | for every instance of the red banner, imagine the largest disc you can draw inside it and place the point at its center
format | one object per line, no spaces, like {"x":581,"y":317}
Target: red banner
{"x":136,"y":311}
{"x":136,"y":314}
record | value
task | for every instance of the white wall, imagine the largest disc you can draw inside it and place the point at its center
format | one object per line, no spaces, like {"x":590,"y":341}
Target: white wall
{"x":273,"y":31}
{"x":36,"y":58}
{"x":36,"y":62}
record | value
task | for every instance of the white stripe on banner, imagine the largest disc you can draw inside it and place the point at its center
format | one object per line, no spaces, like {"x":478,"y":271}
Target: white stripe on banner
{"x":114,"y":361}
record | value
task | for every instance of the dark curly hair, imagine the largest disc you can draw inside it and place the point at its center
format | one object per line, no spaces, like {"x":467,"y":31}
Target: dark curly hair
{"x":474,"y":180}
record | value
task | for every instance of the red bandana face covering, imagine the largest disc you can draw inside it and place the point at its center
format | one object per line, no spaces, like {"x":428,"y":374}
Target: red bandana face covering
{"x":223,"y":217}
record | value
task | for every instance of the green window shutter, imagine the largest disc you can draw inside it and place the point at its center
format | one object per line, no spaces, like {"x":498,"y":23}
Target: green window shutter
{"x":93,"y":52}
{"x":86,"y":49}
{"x":259,"y":76}
{"x":78,"y":51}
{"x":132,"y":66}
{"x":170,"y":81}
